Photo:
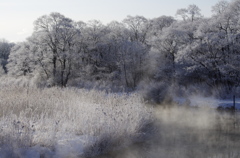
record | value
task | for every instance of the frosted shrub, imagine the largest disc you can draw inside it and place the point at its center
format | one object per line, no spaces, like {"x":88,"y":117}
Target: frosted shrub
{"x":156,"y":93}
{"x":47,"y":117}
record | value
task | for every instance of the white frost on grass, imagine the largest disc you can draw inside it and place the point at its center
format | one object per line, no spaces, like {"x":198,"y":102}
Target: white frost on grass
{"x":67,"y":120}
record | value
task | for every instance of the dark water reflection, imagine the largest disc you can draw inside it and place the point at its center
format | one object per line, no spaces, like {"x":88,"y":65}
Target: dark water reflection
{"x":183,"y":133}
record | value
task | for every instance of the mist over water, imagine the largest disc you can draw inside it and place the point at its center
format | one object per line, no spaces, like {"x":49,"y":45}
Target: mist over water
{"x":188,"y":132}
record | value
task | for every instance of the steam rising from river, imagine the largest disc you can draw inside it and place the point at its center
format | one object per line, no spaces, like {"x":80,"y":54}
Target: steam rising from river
{"x":187,"y":132}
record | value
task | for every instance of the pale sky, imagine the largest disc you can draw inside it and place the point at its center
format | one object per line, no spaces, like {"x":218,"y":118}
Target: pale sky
{"x":17,"y":16}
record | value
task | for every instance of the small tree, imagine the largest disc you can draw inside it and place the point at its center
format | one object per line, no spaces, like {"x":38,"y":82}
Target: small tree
{"x":5,"y":48}
{"x":191,"y":13}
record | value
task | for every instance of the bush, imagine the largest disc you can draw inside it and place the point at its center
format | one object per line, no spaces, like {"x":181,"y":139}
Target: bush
{"x":156,"y":93}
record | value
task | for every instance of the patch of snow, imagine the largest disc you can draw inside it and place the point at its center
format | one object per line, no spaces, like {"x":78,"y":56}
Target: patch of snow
{"x":73,"y":147}
{"x":65,"y":147}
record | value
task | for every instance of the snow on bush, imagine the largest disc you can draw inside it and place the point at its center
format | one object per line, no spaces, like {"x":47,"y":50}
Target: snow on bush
{"x":68,"y":122}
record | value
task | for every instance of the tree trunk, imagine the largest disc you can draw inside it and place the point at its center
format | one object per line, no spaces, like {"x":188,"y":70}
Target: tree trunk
{"x":63,"y":84}
{"x":54,"y":65}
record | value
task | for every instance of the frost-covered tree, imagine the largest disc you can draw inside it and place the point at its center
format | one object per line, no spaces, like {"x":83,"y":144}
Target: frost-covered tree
{"x":211,"y":56}
{"x":220,"y":7}
{"x":55,"y":38}
{"x":5,"y":48}
{"x":193,"y":12}
{"x":21,"y":62}
{"x":158,"y":24}
{"x":95,"y":36}
{"x":183,"y":52}
{"x":168,"y":45}
{"x":132,"y":56}
{"x":117,"y":31}
{"x":138,"y":27}
{"x":93,"y":45}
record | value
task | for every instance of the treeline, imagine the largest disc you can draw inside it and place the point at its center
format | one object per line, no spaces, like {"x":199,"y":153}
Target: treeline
{"x":193,"y":50}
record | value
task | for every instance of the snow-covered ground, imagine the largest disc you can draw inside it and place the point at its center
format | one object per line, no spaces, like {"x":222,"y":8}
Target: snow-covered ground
{"x":65,"y":147}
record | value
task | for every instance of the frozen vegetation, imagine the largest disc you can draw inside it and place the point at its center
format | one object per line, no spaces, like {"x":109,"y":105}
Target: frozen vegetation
{"x":160,"y":87}
{"x":59,"y":122}
{"x":79,"y":123}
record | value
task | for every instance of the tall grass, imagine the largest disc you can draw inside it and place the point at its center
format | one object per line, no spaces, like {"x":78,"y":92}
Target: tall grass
{"x":47,"y":117}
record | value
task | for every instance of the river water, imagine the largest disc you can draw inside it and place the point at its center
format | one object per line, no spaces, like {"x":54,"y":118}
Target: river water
{"x":188,"y":133}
